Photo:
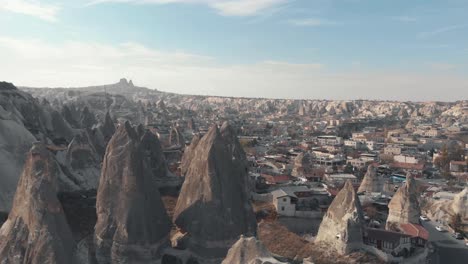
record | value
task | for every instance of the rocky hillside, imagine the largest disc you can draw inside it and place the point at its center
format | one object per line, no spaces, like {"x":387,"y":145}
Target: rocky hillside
{"x":125,"y":94}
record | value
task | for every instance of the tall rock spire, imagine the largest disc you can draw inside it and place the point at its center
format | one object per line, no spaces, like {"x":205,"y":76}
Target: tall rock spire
{"x":213,"y":208}
{"x":404,"y":206}
{"x":132,"y":224}
{"x":237,"y":155}
{"x":108,"y":128}
{"x":36,"y":231}
{"x":372,"y":182}
{"x":249,"y":250}
{"x":188,"y":154}
{"x":342,"y":226}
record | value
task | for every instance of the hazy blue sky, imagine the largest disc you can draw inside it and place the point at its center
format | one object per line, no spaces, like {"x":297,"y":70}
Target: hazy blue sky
{"x":333,"y":49}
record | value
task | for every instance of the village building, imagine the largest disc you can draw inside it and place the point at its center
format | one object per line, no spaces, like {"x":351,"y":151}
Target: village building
{"x":300,"y":201}
{"x":394,"y":243}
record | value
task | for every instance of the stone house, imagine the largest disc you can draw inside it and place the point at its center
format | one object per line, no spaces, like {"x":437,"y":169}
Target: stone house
{"x":397,"y":244}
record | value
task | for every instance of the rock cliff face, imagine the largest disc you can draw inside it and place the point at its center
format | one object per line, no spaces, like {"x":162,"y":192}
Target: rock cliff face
{"x":157,"y":163}
{"x":23,"y":120}
{"x":36,"y":231}
{"x":460,"y":204}
{"x":213,"y":209}
{"x":404,"y":206}
{"x":249,"y":250}
{"x":188,"y":154}
{"x":237,"y":155}
{"x":83,"y":162}
{"x":372,"y":182}
{"x":342,"y":226}
{"x":108,"y":128}
{"x":132,"y":224}
{"x":87,"y":119}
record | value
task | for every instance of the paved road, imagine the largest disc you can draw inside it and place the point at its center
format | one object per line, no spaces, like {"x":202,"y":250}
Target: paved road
{"x":447,"y":249}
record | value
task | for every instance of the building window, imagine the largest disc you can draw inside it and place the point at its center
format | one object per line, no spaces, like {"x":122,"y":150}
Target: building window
{"x":282,"y":208}
{"x":284,"y":199}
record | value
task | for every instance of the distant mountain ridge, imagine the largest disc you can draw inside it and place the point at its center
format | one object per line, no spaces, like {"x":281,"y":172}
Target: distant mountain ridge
{"x":340,"y":109}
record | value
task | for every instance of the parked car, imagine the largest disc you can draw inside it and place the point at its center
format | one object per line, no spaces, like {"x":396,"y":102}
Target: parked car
{"x":466,"y":244}
{"x":457,"y":236}
{"x":424,"y":218}
{"x":440,"y":228}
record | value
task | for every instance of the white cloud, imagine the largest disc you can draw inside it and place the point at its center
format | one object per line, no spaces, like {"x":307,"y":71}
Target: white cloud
{"x":244,"y":7}
{"x":441,"y":30}
{"x":33,"y":8}
{"x":310,"y":22}
{"x":32,"y":62}
{"x":224,"y":7}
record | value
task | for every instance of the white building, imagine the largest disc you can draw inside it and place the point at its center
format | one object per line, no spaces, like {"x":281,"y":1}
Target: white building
{"x":406,"y":159}
{"x":329,"y":140}
{"x":341,"y":178}
{"x":392,"y":150}
{"x":299,"y":201}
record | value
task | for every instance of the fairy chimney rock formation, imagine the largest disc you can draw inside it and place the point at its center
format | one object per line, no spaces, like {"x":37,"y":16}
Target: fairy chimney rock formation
{"x":83,"y":162}
{"x":36,"y":231}
{"x":302,"y":164}
{"x":404,"y":206}
{"x":132,"y":223}
{"x":342,"y":226}
{"x":213,"y":208}
{"x":238,"y":155}
{"x":460,"y":203}
{"x":249,"y":250}
{"x":188,"y":154}
{"x":108,"y":128}
{"x":372,"y":182}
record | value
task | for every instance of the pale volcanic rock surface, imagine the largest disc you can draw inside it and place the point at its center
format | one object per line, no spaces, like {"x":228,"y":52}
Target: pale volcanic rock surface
{"x":132,"y":224}
{"x":188,"y":154}
{"x":404,"y":206}
{"x":460,"y":204}
{"x":249,"y":250}
{"x":213,"y":208}
{"x":372,"y":182}
{"x":36,"y":231}
{"x":342,"y":226}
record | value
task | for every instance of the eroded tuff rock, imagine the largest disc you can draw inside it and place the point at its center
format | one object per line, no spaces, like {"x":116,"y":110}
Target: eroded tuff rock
{"x":108,"y":128}
{"x":188,"y":154}
{"x":132,"y":223}
{"x":175,"y":137}
{"x":87,"y":119}
{"x":213,"y":209}
{"x":15,"y":141}
{"x":460,"y":204}
{"x":342,"y":226}
{"x":83,"y":162}
{"x":36,"y":231}
{"x":249,"y":250}
{"x":302,"y":164}
{"x":165,"y":180}
{"x":69,"y":116}
{"x":404,"y":206}
{"x":23,"y":120}
{"x":238,"y":155}
{"x":372,"y":182}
